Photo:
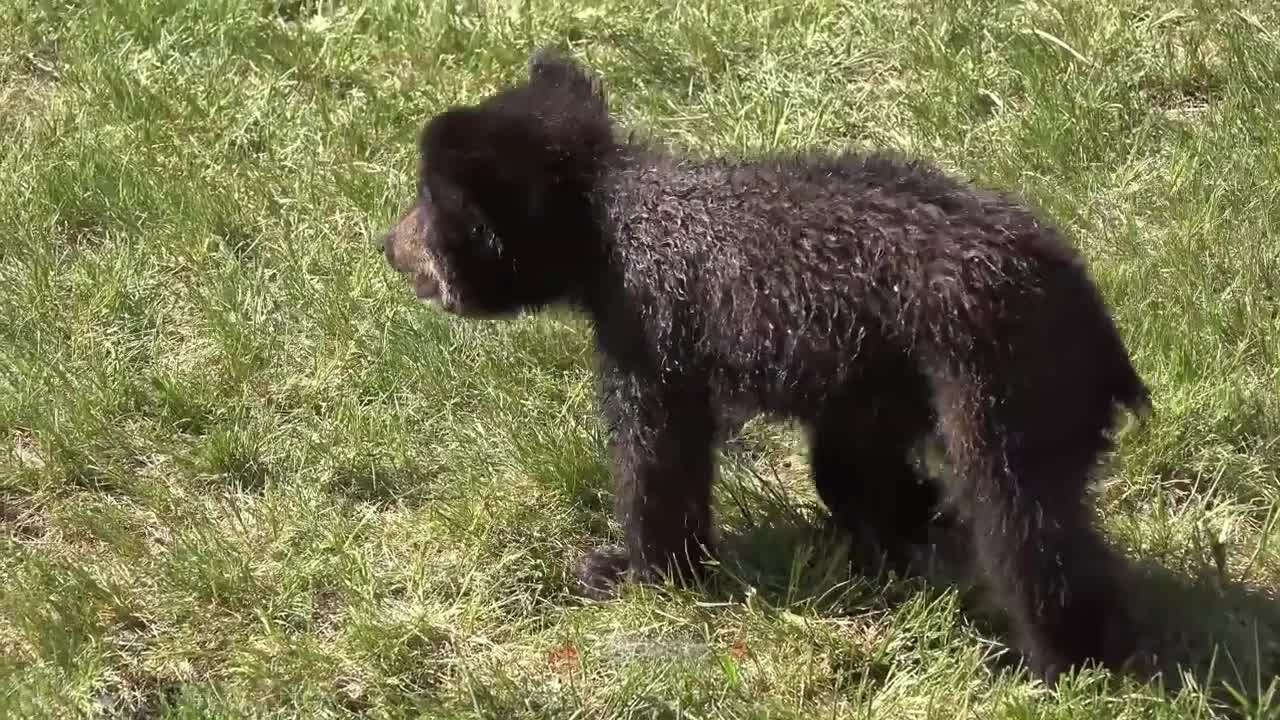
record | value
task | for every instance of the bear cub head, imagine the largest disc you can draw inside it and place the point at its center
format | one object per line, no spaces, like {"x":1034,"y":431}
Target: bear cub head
{"x":505,"y":214}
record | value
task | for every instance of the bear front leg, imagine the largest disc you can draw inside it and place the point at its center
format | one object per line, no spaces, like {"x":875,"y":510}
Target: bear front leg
{"x":662,"y":450}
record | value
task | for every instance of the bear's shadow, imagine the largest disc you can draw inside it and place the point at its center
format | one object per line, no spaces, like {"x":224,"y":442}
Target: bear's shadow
{"x":1193,"y":627}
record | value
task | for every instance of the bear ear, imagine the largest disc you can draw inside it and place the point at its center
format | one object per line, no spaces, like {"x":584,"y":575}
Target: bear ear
{"x":549,"y":69}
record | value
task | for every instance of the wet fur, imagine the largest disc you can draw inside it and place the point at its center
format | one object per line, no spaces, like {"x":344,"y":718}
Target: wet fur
{"x":871,"y":297}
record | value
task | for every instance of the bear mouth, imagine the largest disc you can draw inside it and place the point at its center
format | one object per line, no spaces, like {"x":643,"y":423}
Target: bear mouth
{"x":426,"y":287}
{"x":429,"y":291}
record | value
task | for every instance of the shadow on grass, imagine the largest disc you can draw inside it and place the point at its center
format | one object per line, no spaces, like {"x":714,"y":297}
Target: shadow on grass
{"x":1194,"y":632}
{"x":1214,"y":634}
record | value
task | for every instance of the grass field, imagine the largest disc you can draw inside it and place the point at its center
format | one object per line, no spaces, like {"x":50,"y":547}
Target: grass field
{"x":243,"y":474}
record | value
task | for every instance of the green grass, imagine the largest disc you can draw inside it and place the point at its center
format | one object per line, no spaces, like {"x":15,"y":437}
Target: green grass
{"x":242,"y":473}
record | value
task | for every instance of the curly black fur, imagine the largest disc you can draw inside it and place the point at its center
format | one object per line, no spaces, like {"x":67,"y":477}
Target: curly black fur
{"x":871,"y":297}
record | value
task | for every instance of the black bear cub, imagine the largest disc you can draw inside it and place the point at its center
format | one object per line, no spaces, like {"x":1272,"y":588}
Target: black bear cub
{"x":872,"y":298}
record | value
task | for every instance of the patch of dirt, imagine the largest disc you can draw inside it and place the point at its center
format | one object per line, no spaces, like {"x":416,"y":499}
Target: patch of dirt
{"x":28,"y":86}
{"x":27,"y":451}
{"x":19,"y":519}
